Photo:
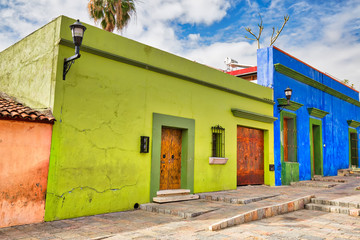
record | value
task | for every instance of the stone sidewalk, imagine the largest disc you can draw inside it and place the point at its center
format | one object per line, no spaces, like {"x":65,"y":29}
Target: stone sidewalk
{"x":211,"y":209}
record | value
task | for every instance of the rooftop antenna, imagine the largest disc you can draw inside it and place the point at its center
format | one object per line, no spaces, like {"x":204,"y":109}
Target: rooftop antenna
{"x":231,"y":64}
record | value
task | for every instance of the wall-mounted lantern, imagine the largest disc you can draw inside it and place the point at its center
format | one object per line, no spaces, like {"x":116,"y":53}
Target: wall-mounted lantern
{"x":288,"y":92}
{"x":77,"y":31}
{"x":144,"y":144}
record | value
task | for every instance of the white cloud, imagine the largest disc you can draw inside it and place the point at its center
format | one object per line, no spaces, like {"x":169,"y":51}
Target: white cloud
{"x":215,"y":54}
{"x":194,"y":37}
{"x":157,"y":22}
{"x":19,"y":18}
{"x":203,"y":11}
{"x":300,"y":7}
{"x":253,"y":5}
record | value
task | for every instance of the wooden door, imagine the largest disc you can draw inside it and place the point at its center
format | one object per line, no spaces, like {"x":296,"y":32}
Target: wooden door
{"x":285,"y":133}
{"x":250,"y":156}
{"x":170,"y":159}
{"x":316,"y":150}
{"x":354,"y":150}
{"x":313,"y":151}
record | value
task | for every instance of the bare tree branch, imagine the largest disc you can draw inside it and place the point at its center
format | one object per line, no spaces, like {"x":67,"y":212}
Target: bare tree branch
{"x":249,"y":30}
{"x":272,"y":32}
{"x":257,"y":38}
{"x":254,"y":39}
{"x":272,"y":40}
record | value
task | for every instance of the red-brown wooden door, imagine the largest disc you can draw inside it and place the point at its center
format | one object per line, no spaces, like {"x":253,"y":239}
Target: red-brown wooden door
{"x":170,"y":159}
{"x":250,"y":156}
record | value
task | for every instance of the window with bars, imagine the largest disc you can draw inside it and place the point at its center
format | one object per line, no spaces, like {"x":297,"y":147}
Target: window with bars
{"x":218,"y":141}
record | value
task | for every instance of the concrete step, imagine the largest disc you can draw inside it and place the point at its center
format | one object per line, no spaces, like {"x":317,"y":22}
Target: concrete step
{"x":185,"y":209}
{"x":335,"y":203}
{"x":333,"y":209}
{"x":175,"y":198}
{"x":234,"y":199}
{"x":262,"y":212}
{"x":172,"y":192}
{"x":349,"y":172}
{"x":328,"y":179}
{"x":315,"y":184}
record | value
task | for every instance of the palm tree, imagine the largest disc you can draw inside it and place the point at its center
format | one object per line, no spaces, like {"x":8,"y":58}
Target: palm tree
{"x":112,"y":13}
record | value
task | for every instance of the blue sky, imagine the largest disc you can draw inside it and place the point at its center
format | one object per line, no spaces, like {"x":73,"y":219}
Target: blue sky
{"x":324,"y":34}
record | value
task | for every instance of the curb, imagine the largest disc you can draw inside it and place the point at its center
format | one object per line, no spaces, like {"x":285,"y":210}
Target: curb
{"x":234,"y":200}
{"x":264,"y":212}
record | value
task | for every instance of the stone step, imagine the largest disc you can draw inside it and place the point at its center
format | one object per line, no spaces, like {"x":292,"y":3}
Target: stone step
{"x":185,"y":210}
{"x":315,"y":184}
{"x":172,"y":192}
{"x":335,"y":203}
{"x":349,"y":172}
{"x":234,"y":199}
{"x":333,"y":209}
{"x":262,"y":212}
{"x":327,"y":179}
{"x":175,"y":198}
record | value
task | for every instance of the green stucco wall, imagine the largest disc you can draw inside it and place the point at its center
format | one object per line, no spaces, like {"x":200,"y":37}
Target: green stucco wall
{"x":27,"y":69}
{"x":104,"y":106}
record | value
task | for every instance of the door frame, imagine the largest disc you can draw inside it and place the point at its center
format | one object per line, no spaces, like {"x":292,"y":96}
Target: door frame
{"x":187,"y":126}
{"x":265,"y":150}
{"x":289,"y":170}
{"x":317,"y":122}
{"x":285,"y":114}
{"x":353,"y":130}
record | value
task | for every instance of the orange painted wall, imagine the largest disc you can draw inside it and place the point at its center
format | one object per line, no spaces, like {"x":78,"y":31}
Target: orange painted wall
{"x":24,"y":161}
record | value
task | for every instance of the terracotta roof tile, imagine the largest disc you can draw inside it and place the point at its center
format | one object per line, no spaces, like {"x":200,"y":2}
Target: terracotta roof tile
{"x":12,"y":110}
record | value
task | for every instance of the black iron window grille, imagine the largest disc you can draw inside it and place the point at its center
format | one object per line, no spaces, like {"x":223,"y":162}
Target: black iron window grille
{"x":218,"y":141}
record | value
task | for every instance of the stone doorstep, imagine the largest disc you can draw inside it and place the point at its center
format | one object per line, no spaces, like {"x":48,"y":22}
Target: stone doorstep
{"x":171,"y":192}
{"x":175,"y":198}
{"x":264,"y":212}
{"x":333,"y":209}
{"x":335,"y":203}
{"x":233,"y":200}
{"x":159,"y":208}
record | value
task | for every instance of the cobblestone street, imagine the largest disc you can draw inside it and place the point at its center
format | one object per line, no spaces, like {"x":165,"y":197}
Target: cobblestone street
{"x":215,"y":207}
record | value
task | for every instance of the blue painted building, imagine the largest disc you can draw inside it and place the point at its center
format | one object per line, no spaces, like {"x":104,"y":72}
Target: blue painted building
{"x":318,"y":133}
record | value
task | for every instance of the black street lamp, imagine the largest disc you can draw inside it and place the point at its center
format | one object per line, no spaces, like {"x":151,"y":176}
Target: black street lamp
{"x":77,"y":32}
{"x":288,"y":92}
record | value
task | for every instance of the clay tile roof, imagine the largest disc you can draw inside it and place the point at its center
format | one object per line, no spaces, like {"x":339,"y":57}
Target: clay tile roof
{"x":12,"y":110}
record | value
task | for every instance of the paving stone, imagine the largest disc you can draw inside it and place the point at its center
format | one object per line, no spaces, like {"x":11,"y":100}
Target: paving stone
{"x":239,"y":219}
{"x":140,"y":224}
{"x":309,"y":237}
